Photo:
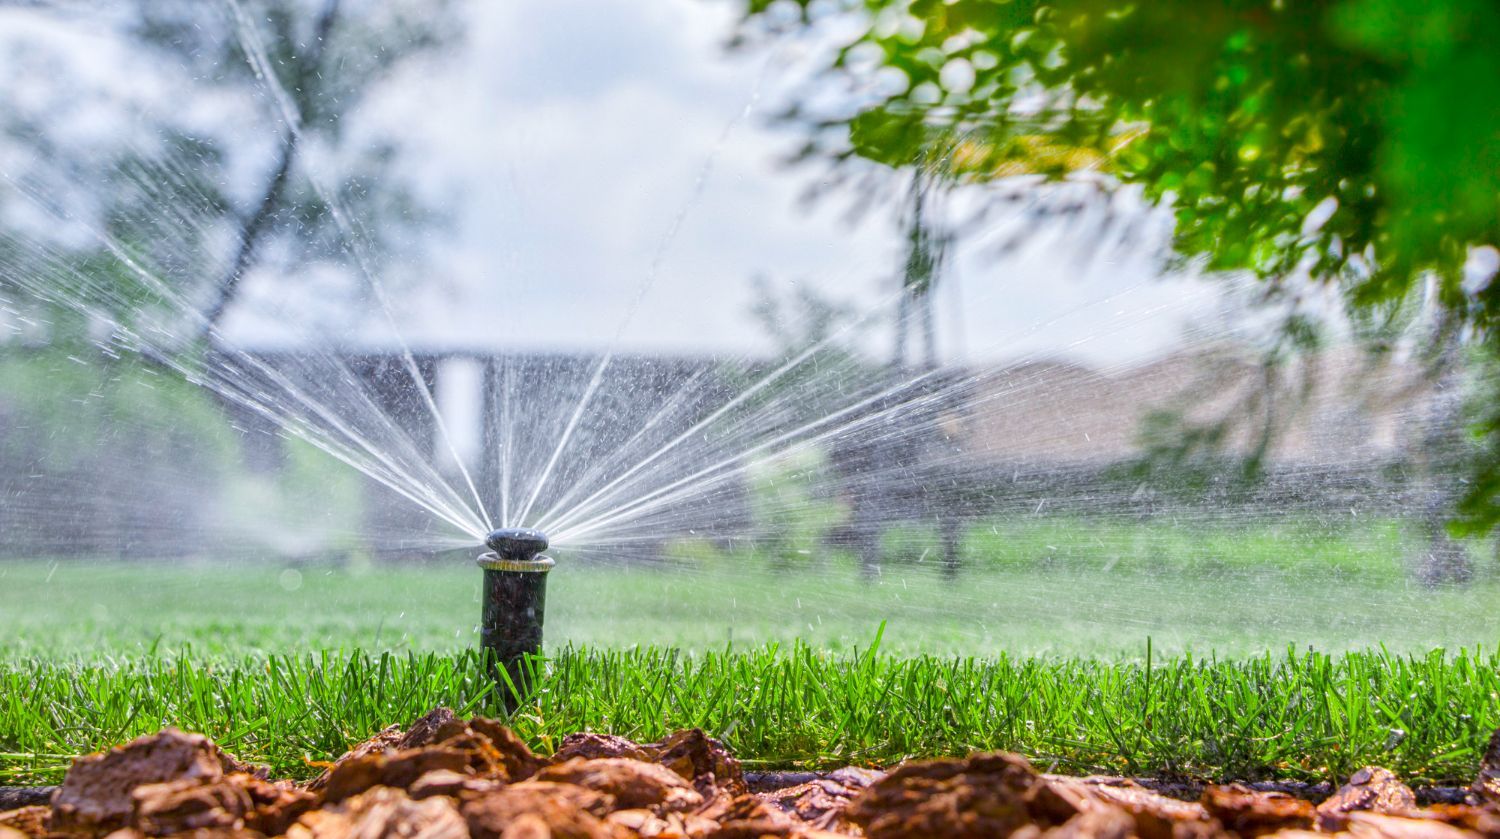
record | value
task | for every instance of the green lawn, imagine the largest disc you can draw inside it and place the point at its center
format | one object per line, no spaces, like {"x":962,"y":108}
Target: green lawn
{"x":1039,"y":645}
{"x":1298,"y":715}
{"x":1028,"y":587}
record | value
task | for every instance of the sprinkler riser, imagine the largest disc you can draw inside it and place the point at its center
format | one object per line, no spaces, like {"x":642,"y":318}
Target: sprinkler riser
{"x":514,"y":604}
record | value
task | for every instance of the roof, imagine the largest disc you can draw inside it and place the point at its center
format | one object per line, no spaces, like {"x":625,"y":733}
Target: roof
{"x":1337,"y":407}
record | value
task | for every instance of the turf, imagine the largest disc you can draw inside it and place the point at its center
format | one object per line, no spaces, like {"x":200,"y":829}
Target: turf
{"x":1043,"y":587}
{"x":1039,"y":645}
{"x":1294,"y":715}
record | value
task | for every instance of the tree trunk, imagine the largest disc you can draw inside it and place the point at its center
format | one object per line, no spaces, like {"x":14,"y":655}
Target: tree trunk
{"x":1445,"y":560}
{"x":253,"y":228}
{"x":251,"y":232}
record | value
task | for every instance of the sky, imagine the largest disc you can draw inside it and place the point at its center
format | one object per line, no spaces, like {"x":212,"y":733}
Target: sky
{"x":612,"y":178}
{"x":604,"y":153}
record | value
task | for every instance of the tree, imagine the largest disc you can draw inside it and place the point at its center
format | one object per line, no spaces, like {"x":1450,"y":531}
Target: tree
{"x":204,"y":205}
{"x":926,"y":248}
{"x":1346,"y":142}
{"x":153,"y":154}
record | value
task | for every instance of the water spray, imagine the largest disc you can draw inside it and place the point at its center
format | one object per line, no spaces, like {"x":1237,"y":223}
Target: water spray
{"x":515,"y":592}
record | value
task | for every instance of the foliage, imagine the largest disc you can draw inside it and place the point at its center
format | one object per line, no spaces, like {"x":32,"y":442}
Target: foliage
{"x":81,"y":436}
{"x":176,"y":190}
{"x":1185,"y":454}
{"x":311,"y":507}
{"x":63,"y":412}
{"x":786,"y":507}
{"x":1347,"y":142}
{"x":816,"y":372}
{"x":81,"y":440}
{"x":817,"y":367}
{"x":136,"y":237}
{"x":1482,"y":452}
{"x":1296,"y":715}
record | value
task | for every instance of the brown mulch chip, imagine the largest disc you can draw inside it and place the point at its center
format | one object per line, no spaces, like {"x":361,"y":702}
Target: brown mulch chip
{"x":823,"y":802}
{"x":633,"y":784}
{"x":1487,"y":786}
{"x":1248,"y":813}
{"x":450,"y":778}
{"x":29,"y":821}
{"x":382,"y":811}
{"x":992,"y":794}
{"x":1372,"y":789}
{"x":96,"y":795}
{"x":546,"y":809}
{"x":590,"y":745}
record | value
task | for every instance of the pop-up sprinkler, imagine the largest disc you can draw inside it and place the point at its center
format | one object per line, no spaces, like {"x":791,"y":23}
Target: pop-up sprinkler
{"x":515,"y":592}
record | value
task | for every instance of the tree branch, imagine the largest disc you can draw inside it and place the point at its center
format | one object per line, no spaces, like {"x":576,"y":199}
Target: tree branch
{"x":253,"y":227}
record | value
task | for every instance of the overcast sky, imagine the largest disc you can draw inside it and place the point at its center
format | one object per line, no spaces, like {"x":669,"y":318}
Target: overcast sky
{"x":613,"y":179}
{"x":573,"y":134}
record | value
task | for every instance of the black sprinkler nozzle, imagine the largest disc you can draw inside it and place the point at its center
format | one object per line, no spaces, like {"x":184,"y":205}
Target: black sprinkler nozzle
{"x":515,"y":594}
{"x":522,"y":543}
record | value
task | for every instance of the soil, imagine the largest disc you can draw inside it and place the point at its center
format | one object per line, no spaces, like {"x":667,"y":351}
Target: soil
{"x":450,"y":778}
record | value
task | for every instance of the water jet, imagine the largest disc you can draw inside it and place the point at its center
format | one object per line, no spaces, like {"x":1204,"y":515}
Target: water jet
{"x":515,"y":594}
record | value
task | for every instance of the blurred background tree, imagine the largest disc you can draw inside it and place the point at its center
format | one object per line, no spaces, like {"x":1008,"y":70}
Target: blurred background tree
{"x":1352,"y":143}
{"x":188,"y":194}
{"x":218,"y":156}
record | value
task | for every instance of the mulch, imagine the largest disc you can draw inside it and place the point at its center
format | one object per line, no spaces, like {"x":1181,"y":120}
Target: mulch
{"x":449,"y":778}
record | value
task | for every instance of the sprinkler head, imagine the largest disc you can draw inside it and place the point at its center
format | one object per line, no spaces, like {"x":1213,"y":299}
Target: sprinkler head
{"x":521,"y":544}
{"x":514,"y":597}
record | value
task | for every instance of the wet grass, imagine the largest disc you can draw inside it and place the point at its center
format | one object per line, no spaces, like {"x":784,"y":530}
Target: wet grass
{"x":1291,"y":715}
{"x":1038,"y":645}
{"x":1041,"y":587}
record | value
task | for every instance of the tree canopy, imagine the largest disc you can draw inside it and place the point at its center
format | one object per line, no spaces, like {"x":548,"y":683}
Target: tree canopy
{"x":1345,"y":142}
{"x":198,"y":198}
